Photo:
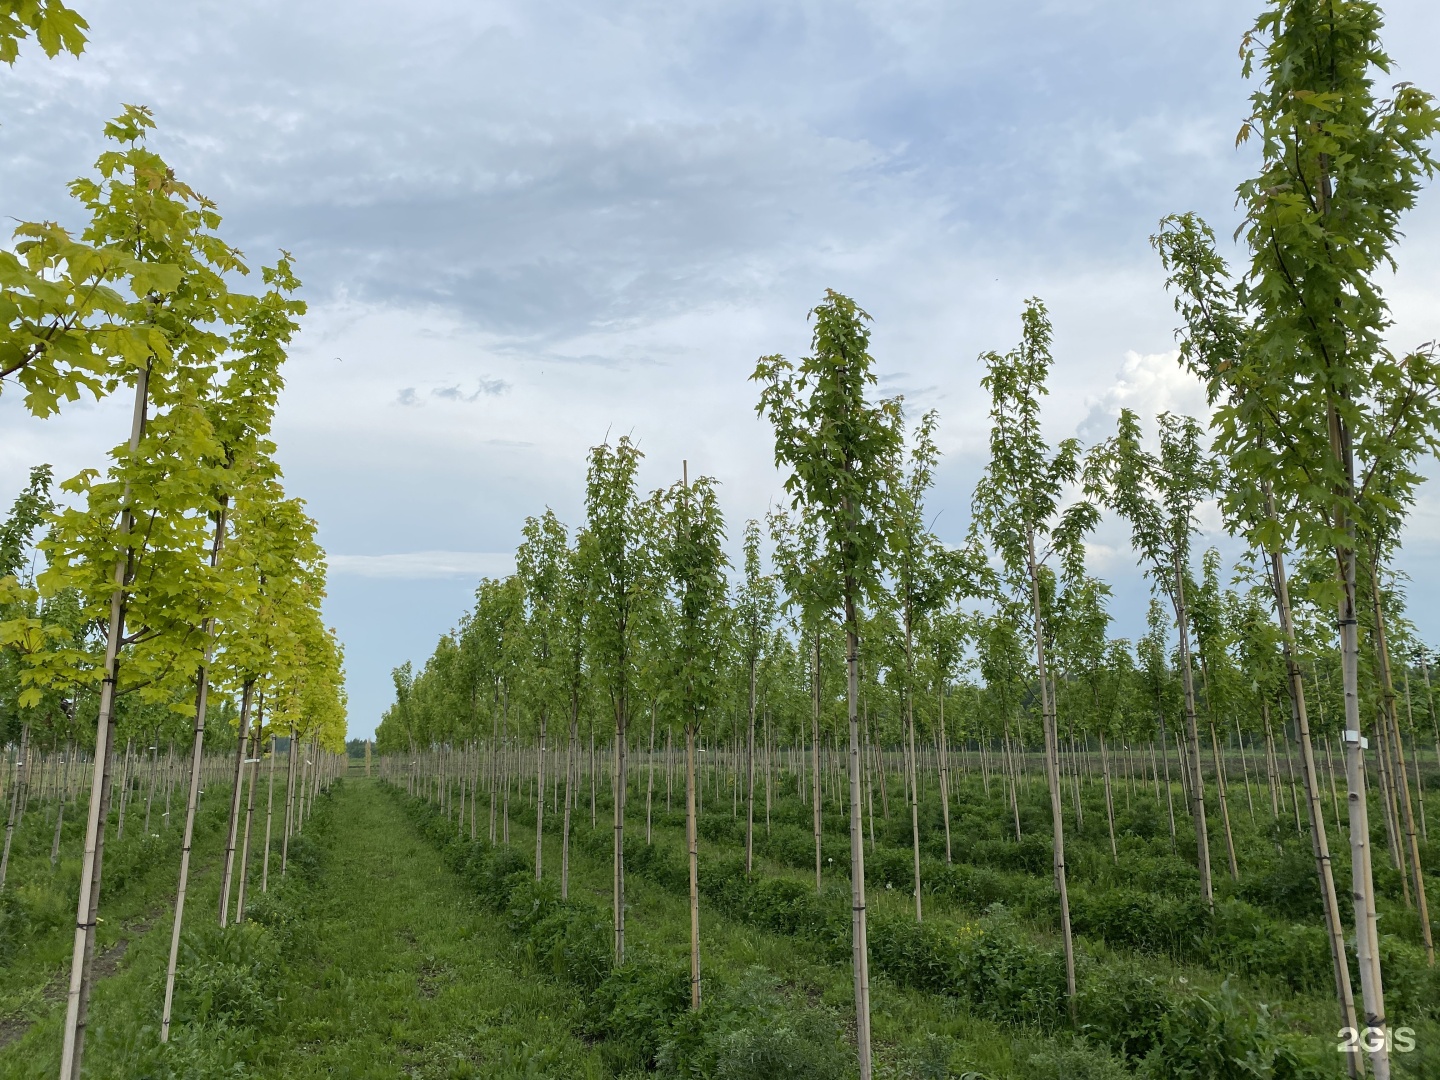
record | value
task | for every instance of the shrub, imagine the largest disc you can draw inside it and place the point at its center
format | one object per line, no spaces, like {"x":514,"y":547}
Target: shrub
{"x":1006,"y":977}
{"x":1221,"y":1037}
{"x":1123,"y":1010}
{"x":752,"y":1032}
{"x":1288,"y":887}
{"x":633,"y":1006}
{"x":568,"y":939}
{"x":304,"y":858}
{"x":14,"y":920}
{"x":1073,"y":1061}
{"x":227,"y":976}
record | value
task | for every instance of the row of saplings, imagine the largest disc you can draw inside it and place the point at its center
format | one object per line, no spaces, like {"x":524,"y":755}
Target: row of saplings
{"x":996,"y":971}
{"x":1269,"y":928}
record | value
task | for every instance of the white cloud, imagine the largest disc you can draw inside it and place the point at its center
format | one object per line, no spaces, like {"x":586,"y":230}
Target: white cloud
{"x":1148,"y":384}
{"x":416,"y":565}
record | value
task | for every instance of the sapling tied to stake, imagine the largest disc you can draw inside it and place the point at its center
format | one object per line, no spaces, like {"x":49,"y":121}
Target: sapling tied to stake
{"x":1158,"y":496}
{"x":1319,"y":422}
{"x":694,"y":565}
{"x":839,"y":449}
{"x":1018,"y":505}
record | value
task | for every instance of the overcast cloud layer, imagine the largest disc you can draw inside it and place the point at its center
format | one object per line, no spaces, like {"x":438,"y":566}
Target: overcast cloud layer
{"x":525,"y":225}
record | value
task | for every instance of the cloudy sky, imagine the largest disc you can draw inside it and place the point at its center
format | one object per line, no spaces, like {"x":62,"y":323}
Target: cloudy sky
{"x":523,"y":225}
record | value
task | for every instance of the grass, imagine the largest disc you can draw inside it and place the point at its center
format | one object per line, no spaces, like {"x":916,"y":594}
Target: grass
{"x":911,"y":1030}
{"x":368,"y":961}
{"x":376,"y":958}
{"x":137,"y":893}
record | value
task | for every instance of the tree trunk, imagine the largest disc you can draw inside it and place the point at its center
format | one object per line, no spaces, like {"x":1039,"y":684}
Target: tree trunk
{"x":1221,"y":790}
{"x":859,"y":939}
{"x":192,"y":801}
{"x":1367,"y":942}
{"x":1109,"y":798}
{"x":269,"y":813}
{"x":769,"y":777}
{"x":1245,"y":771}
{"x":92,"y":862}
{"x":1319,"y":843}
{"x":944,"y":758}
{"x":1169,"y":788}
{"x":505,"y":766}
{"x":1272,"y":769}
{"x":150,"y":785}
{"x":1052,"y":775}
{"x":692,"y":848}
{"x":815,"y":756}
{"x":1192,"y":735}
{"x":539,"y":798}
{"x":290,"y":799}
{"x":619,"y":875}
{"x":249,"y":819}
{"x":17,"y":785}
{"x":570,"y":756}
{"x":125,"y":780}
{"x":750,"y":778}
{"x":650,"y":782}
{"x":1402,"y":782}
{"x":233,"y":826}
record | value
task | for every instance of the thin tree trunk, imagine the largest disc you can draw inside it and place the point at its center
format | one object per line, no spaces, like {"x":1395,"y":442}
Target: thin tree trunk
{"x":769,"y":777}
{"x":750,"y":778}
{"x":1109,"y":798}
{"x":1272,"y":767}
{"x":1192,"y":734}
{"x":619,"y":876}
{"x":290,"y":799}
{"x":150,"y":787}
{"x":1169,"y":788}
{"x":233,"y":826}
{"x":269,"y":813}
{"x":249,"y":819}
{"x":1367,"y":938}
{"x":1399,"y":775}
{"x":505,"y":766}
{"x":1245,"y":770}
{"x":17,"y":785}
{"x":570,"y":756}
{"x":859,"y":936}
{"x":944,"y":758}
{"x":1319,"y":845}
{"x":910,"y":766}
{"x":125,"y":779}
{"x":539,"y":798}
{"x":815,"y":756}
{"x":650,"y":782}
{"x":1222,"y":790}
{"x":1052,"y":770}
{"x":92,"y":862}
{"x":192,"y":801}
{"x":693,"y":852}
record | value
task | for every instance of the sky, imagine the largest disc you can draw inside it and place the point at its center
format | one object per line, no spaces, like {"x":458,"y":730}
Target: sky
{"x":526,"y":226}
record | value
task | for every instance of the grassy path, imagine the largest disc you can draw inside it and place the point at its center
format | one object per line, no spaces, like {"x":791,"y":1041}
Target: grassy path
{"x":396,"y":972}
{"x":370,"y":961}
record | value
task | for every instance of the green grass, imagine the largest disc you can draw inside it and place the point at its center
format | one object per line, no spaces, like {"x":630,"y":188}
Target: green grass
{"x":368,"y":961}
{"x":138,"y":889}
{"x":376,"y":957}
{"x":912,"y":1031}
{"x":396,"y":973}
